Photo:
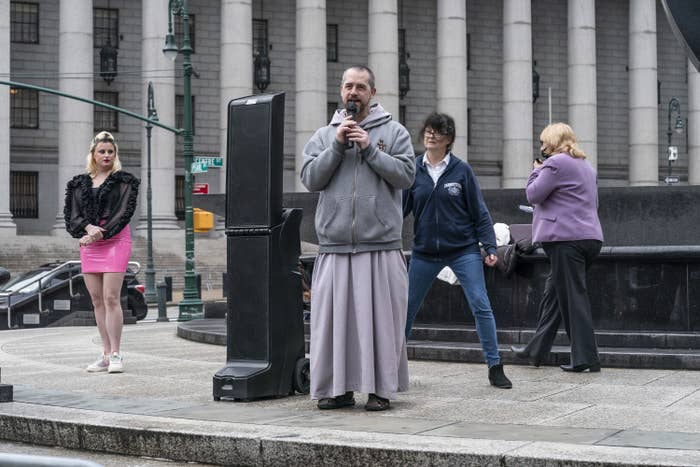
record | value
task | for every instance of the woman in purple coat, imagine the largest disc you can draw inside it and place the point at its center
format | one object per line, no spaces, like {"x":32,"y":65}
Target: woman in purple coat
{"x":563,"y":189}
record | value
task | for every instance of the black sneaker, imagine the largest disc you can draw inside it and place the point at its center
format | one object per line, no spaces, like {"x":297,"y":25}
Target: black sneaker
{"x":498,"y":378}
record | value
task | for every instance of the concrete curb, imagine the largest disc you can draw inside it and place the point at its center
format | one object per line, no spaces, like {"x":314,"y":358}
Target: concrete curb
{"x":247,"y":444}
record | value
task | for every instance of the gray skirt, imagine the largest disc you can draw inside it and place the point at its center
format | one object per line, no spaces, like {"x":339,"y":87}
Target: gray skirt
{"x":358,"y":318}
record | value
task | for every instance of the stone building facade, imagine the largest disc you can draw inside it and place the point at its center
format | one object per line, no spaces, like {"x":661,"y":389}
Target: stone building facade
{"x":609,"y":67}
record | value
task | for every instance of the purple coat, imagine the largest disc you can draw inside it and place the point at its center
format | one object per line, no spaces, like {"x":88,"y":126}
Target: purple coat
{"x":564,"y":193}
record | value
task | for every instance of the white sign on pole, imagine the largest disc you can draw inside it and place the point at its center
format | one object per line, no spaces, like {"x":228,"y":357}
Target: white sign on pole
{"x":199,"y":167}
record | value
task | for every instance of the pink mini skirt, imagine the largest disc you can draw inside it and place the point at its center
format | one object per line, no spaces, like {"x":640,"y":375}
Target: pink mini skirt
{"x":111,"y":255}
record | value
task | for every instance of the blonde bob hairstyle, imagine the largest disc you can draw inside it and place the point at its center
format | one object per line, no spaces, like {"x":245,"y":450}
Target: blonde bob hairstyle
{"x":102,"y":137}
{"x":560,"y":138}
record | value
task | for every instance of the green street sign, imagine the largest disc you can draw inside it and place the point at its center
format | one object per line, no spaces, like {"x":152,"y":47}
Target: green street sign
{"x":214,"y":162}
{"x":199,"y":167}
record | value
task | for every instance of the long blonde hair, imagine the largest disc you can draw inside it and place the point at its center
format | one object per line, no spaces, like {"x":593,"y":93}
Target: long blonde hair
{"x":102,"y":137}
{"x":560,"y":137}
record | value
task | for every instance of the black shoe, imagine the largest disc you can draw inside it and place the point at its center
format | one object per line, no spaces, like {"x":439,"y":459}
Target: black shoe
{"x":595,"y":368}
{"x":498,"y":378}
{"x":520,"y":352}
{"x":376,"y":403}
{"x":330,"y":403}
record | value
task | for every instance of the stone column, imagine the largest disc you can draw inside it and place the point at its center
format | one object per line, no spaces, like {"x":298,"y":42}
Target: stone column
{"x":643,"y":117}
{"x":154,"y":14}
{"x":236,"y":63}
{"x":75,"y":118}
{"x":693,"y":125}
{"x":311,"y":83}
{"x":452,"y":68}
{"x":582,"y":76}
{"x":383,"y":52}
{"x":517,"y":93}
{"x":7,"y":225}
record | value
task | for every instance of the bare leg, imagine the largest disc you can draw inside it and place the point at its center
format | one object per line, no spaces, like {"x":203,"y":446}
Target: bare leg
{"x":112,"y":286}
{"x":93,"y":282}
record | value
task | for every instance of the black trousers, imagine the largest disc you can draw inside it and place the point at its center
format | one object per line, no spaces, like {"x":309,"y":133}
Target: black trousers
{"x":565,"y":299}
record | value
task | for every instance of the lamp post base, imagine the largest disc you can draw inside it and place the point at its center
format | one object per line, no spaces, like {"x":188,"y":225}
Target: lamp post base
{"x":5,"y":393}
{"x":190,"y":309}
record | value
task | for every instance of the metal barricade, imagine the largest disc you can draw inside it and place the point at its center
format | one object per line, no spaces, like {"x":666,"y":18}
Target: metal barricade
{"x":134,"y":265}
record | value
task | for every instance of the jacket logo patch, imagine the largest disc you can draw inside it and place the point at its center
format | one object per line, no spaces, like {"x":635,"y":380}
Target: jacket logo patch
{"x":381,"y":145}
{"x":454,"y":189}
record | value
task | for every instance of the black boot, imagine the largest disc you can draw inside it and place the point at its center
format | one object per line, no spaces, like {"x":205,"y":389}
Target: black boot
{"x":498,"y":378}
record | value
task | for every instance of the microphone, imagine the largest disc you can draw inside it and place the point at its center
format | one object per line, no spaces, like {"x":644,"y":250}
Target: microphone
{"x":351,"y":110}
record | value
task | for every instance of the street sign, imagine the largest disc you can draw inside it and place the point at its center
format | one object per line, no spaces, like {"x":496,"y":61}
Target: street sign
{"x":671,"y":179}
{"x":200,"y":188}
{"x":199,"y":167}
{"x":673,"y":153}
{"x":213,"y":162}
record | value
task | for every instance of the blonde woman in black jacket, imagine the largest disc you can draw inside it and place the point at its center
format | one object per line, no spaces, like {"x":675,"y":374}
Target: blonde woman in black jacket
{"x":99,"y":205}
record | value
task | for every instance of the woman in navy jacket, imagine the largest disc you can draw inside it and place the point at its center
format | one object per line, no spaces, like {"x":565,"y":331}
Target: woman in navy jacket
{"x":450,"y":220}
{"x":564,"y":191}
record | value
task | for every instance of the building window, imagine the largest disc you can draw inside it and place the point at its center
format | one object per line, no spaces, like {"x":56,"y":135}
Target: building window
{"x":106,"y":26}
{"x":180,"y":197}
{"x":259,"y":36}
{"x":106,"y":119}
{"x":180,"y":112}
{"x":402,"y":43}
{"x":332,"y":42}
{"x":402,"y":115}
{"x":179,"y":33}
{"x":469,"y":127}
{"x":24,"y":22}
{"x":24,"y":195}
{"x":331,"y":107}
{"x":469,"y":51}
{"x":24,"y":108}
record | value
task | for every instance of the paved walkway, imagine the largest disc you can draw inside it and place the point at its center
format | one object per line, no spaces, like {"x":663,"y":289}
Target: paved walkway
{"x":162,"y":406}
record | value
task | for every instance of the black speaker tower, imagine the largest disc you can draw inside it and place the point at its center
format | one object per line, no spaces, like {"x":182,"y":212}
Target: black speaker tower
{"x":265,"y":329}
{"x":684,"y":18}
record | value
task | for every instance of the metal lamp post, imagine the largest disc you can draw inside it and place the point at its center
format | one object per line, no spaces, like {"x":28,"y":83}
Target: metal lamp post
{"x":150,"y":293}
{"x":674,"y":105}
{"x":190,"y":306}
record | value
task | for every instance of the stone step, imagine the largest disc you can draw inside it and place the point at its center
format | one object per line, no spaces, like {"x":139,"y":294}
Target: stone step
{"x":605,"y":338}
{"x":213,"y":331}
{"x":620,"y":357}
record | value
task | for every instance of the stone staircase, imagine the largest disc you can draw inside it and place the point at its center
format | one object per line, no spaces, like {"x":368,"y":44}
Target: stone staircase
{"x":623,"y":349}
{"x":22,"y":253}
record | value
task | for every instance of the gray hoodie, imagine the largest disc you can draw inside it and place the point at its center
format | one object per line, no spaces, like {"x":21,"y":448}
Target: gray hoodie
{"x":359,"y":208}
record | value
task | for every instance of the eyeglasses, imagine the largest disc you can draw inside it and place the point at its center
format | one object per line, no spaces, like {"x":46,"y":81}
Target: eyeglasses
{"x":434,"y":134}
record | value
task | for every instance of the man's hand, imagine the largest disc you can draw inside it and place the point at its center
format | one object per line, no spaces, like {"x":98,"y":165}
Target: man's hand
{"x":342,"y":130}
{"x":357,"y":135}
{"x":490,"y":260}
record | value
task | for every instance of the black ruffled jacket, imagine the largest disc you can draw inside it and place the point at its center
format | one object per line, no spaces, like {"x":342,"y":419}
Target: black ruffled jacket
{"x":111,"y":209}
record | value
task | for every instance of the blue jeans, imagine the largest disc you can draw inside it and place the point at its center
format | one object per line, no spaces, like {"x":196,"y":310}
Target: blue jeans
{"x":469,"y":268}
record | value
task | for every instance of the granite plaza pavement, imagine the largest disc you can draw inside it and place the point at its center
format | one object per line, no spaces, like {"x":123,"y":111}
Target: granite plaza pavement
{"x":162,"y":407}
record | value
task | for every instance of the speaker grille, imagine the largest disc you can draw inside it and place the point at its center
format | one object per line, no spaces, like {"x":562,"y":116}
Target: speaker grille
{"x":255,"y":161}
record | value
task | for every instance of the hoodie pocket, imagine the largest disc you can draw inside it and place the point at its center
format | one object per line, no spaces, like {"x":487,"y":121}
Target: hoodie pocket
{"x":375,"y":220}
{"x":333,"y":220}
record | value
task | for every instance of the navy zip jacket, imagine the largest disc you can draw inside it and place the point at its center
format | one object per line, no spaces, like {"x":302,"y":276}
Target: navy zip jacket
{"x":450,"y":217}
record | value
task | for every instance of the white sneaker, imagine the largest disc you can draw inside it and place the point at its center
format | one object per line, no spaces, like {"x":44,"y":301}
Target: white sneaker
{"x":116,"y":363}
{"x":100,"y":364}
